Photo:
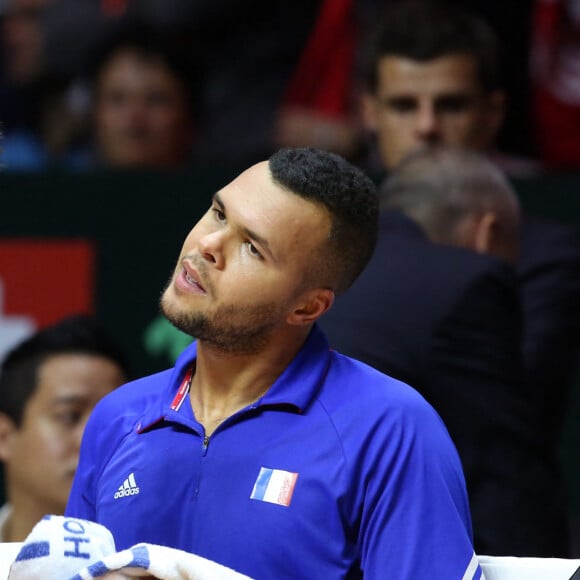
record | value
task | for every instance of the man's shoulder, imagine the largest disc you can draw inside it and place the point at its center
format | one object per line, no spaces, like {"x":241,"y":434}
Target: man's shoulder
{"x":534,"y":225}
{"x":135,"y":396}
{"x":544,"y":240}
{"x":365,"y":404}
{"x":360,"y":388}
{"x":417,"y":281}
{"x":411,"y":258}
{"x":391,"y":315}
{"x":119,"y":413}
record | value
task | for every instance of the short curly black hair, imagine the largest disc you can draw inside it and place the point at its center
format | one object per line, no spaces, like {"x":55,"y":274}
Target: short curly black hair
{"x":349,"y":196}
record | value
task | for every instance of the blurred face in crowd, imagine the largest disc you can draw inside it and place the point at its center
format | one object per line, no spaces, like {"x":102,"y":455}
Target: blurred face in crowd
{"x":23,"y":40}
{"x":41,"y":454}
{"x":422,"y":103}
{"x":142,"y":113}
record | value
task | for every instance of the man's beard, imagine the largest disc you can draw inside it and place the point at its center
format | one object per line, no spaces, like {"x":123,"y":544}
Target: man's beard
{"x":234,"y":329}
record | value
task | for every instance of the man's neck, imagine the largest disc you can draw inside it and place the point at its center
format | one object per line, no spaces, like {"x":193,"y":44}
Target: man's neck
{"x":224,"y":383}
{"x":26,"y":513}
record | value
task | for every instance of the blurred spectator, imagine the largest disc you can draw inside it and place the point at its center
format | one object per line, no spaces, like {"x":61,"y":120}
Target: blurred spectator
{"x":42,"y":110}
{"x":268,"y":74}
{"x":458,"y":199}
{"x":49,"y":385}
{"x":432,"y":78}
{"x":143,"y":103}
{"x":23,"y":79}
{"x":438,"y":308}
{"x":430,"y":75}
{"x":23,"y":41}
{"x":142,"y":110}
{"x":511,"y":25}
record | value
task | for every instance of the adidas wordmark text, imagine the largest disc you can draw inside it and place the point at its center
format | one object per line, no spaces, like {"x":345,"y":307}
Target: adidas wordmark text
{"x":129,"y":487}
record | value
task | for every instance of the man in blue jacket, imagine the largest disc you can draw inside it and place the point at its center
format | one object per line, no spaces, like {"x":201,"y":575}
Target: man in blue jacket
{"x":263,"y":449}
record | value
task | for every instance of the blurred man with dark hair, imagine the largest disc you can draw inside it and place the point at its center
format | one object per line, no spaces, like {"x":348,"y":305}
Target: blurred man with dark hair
{"x":143,"y":102}
{"x":430,"y":76}
{"x":49,"y":385}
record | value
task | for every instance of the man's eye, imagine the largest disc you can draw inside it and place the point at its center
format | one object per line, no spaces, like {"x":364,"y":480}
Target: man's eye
{"x":68,"y":418}
{"x":219,"y":214}
{"x":158,"y":99}
{"x":253,"y":250}
{"x":454,"y":104}
{"x":401,"y":105}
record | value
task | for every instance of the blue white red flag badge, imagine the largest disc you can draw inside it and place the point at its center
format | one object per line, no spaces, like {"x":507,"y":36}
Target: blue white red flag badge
{"x":274,"y":486}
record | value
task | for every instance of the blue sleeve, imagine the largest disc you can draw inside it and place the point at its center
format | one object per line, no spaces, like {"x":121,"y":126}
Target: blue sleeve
{"x":103,"y":432}
{"x":81,"y":501}
{"x":415,"y":519}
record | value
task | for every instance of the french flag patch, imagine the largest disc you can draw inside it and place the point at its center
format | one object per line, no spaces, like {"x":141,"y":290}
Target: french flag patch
{"x":274,"y":486}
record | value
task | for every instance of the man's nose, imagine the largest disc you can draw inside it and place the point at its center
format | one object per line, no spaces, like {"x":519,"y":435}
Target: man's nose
{"x":137,"y":114}
{"x":211,"y":248}
{"x":427,"y":123}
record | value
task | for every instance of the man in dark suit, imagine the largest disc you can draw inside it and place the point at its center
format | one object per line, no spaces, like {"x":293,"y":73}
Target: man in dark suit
{"x":438,"y":308}
{"x":549,"y":277}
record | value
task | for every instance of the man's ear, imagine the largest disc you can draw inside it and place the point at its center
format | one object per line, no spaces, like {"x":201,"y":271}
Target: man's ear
{"x":485,"y":233}
{"x":369,"y":111}
{"x":311,"y":307}
{"x":7,"y":432}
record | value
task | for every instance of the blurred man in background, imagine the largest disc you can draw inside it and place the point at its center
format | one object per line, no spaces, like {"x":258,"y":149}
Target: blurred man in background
{"x":49,"y":385}
{"x":143,"y":103}
{"x":430,"y":76}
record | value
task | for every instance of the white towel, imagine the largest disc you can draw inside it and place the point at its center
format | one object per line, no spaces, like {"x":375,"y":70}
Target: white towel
{"x":160,"y":562}
{"x":59,"y":547}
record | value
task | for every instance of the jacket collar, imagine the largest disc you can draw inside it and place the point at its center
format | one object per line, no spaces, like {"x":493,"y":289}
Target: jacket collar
{"x":293,"y":390}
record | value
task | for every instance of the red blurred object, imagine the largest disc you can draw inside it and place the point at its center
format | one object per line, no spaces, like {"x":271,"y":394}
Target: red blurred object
{"x":555,"y":72}
{"x":113,"y":8}
{"x":322,"y":81}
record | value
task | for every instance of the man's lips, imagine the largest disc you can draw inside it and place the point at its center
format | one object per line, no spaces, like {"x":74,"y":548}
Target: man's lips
{"x":192,"y":277}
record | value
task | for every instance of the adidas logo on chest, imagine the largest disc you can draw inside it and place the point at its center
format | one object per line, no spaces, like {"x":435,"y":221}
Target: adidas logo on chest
{"x":129,"y":487}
